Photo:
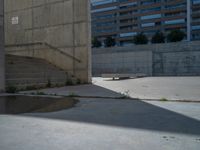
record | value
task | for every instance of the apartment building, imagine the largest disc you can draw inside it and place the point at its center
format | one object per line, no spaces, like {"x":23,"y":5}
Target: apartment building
{"x":123,"y":19}
{"x":194,"y":31}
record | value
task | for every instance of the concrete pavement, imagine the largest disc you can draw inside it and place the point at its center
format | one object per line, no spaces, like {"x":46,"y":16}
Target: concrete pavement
{"x":88,"y":90}
{"x":105,"y":124}
{"x":154,"y":88}
{"x":171,"y":88}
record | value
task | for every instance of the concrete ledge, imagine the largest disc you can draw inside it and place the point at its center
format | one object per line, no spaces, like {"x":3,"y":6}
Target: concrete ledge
{"x":122,"y":76}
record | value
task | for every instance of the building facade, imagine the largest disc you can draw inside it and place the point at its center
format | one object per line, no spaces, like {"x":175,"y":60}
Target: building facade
{"x":123,"y":19}
{"x":195,"y":20}
{"x":2,"y":76}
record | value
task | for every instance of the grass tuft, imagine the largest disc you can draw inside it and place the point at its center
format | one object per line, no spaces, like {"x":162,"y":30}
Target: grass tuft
{"x":163,"y":99}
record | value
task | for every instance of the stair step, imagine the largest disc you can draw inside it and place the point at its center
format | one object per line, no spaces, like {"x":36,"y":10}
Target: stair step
{"x":21,"y":58}
{"x":34,"y":80}
{"x":33,"y":86}
{"x":25,"y":65}
{"x":25,"y":71}
{"x":10,"y":61}
{"x":31,"y":69}
{"x":36,"y":75}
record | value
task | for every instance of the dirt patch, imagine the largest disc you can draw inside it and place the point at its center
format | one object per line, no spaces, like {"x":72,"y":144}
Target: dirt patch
{"x":32,"y":104}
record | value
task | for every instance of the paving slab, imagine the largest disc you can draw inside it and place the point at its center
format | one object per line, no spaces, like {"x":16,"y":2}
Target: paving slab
{"x":171,"y":88}
{"x":106,"y":124}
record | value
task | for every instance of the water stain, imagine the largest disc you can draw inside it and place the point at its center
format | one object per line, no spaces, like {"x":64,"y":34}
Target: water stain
{"x":32,"y":104}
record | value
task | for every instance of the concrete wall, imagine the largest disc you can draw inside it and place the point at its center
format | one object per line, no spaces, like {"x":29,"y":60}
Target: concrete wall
{"x":122,"y":62}
{"x":171,"y":59}
{"x":65,"y":24}
{"x":2,"y":79}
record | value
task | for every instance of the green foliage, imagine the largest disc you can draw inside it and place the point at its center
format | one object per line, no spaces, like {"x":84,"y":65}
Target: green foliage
{"x":175,"y":36}
{"x":140,"y":39}
{"x":125,"y":95}
{"x":73,"y":95}
{"x":11,"y":62}
{"x":158,"y":37}
{"x":49,"y":83}
{"x":69,"y":82}
{"x":40,"y":93}
{"x":109,"y":42}
{"x":96,"y":43}
{"x":78,"y":81}
{"x":11,"y":89}
{"x":163,"y":99}
{"x":28,"y":88}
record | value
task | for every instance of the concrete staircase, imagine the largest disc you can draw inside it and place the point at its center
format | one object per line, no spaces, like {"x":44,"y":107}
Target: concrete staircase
{"x":27,"y":72}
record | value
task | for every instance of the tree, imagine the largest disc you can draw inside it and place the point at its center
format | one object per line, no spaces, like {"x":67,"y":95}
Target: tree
{"x":140,"y":39}
{"x":109,"y":42}
{"x":96,"y":43}
{"x":175,"y":36}
{"x":158,"y":37}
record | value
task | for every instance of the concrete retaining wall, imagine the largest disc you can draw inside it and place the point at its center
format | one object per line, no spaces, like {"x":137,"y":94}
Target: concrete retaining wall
{"x":182,"y":58}
{"x":123,"y":62}
{"x":65,"y":24}
{"x":2,"y":78}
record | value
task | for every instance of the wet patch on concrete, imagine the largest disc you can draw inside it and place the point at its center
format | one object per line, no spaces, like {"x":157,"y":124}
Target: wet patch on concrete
{"x":31,"y":104}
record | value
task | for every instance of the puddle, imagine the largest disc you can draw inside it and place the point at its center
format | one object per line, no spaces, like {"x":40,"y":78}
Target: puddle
{"x":31,"y":104}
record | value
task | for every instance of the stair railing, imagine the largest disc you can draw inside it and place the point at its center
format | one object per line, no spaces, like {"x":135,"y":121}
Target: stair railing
{"x":44,"y":44}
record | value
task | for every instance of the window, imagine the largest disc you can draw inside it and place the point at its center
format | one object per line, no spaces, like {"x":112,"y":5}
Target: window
{"x":155,"y":16}
{"x":177,"y":21}
{"x":148,"y":24}
{"x":128,"y":34}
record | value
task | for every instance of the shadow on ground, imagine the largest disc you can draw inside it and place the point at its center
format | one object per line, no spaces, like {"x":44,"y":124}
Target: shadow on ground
{"x":126,"y":113}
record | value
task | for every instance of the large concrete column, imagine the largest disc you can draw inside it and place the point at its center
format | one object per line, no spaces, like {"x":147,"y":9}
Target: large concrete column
{"x":2,"y":54}
{"x":64,"y":24}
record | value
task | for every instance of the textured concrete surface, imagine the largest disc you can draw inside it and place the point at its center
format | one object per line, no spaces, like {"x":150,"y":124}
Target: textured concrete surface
{"x":122,"y":62}
{"x":27,"y":72}
{"x":172,"y":88}
{"x":106,"y":124}
{"x":2,"y":67}
{"x":172,"y":59}
{"x":89,"y":90}
{"x":64,"y":24}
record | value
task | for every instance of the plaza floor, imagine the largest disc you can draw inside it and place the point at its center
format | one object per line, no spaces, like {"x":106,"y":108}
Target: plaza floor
{"x":171,"y":88}
{"x":103,"y":120}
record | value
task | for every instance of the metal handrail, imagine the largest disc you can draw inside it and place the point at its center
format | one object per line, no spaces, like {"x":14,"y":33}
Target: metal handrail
{"x":47,"y":45}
